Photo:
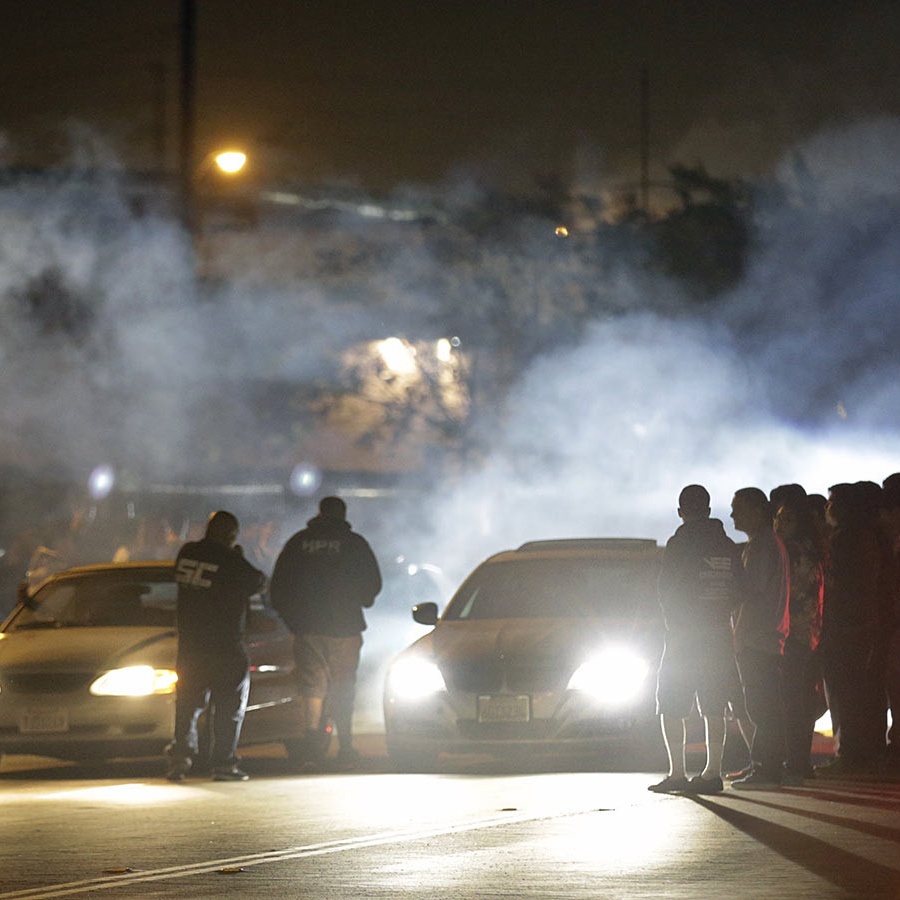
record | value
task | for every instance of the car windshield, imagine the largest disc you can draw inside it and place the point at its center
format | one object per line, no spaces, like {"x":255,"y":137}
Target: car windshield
{"x":119,"y":599}
{"x":557,"y":588}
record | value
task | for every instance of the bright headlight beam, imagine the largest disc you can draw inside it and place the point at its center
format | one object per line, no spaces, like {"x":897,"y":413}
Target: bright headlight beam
{"x":135,"y":681}
{"x":613,"y":676}
{"x":413,"y":679}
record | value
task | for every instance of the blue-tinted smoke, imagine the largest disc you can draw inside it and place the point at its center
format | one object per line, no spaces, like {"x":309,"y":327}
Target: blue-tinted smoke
{"x":109,"y":355}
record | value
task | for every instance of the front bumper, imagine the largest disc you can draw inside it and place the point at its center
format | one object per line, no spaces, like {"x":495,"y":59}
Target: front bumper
{"x":570,"y":723}
{"x":69,"y":727}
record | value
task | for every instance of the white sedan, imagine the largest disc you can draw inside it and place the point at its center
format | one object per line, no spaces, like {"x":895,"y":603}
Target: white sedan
{"x":549,"y":648}
{"x":87,"y":667}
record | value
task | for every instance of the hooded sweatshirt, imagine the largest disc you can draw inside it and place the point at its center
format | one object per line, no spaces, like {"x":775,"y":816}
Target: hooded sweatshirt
{"x":323,"y":577}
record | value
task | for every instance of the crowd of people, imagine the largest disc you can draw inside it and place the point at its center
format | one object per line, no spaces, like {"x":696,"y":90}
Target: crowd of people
{"x":802,"y":617}
{"x":38,"y":551}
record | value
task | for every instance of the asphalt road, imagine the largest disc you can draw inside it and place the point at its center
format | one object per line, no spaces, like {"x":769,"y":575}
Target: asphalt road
{"x":472,"y":832}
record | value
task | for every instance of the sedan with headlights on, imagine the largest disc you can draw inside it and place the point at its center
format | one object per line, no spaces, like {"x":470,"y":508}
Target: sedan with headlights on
{"x":87,"y":666}
{"x":551,"y":648}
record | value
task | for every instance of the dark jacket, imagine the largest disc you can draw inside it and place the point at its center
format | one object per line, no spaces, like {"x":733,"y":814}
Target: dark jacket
{"x":214,"y":584}
{"x":697,"y":576}
{"x":853,"y":565}
{"x":323,"y":577}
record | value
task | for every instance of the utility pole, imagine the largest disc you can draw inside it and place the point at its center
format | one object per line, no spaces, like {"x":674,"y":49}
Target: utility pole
{"x":645,"y":141}
{"x":188,"y":33}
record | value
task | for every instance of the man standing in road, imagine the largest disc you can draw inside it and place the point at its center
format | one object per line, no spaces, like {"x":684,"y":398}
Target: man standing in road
{"x":322,"y":579}
{"x":697,"y":597}
{"x":760,"y":629}
{"x":215,"y":583}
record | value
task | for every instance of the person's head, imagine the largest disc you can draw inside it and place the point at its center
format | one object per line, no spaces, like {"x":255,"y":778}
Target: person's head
{"x":890,"y":505}
{"x":870,"y":496}
{"x":853,"y":505}
{"x":793,"y":520}
{"x":786,"y":493}
{"x":333,"y":508}
{"x":222,"y":527}
{"x":693,"y":502}
{"x":750,"y":511}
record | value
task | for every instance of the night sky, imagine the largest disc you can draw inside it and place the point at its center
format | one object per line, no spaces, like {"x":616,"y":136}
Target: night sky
{"x":383,"y":94}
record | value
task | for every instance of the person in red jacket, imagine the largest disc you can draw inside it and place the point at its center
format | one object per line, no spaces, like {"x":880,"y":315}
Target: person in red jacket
{"x":801,"y":670}
{"x":323,"y":578}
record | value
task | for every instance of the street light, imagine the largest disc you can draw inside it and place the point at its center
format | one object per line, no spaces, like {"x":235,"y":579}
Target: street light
{"x":230,"y":161}
{"x":206,"y":188}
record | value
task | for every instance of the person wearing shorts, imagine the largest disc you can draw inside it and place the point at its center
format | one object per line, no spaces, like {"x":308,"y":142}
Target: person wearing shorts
{"x":323,"y":578}
{"x":696,"y":592}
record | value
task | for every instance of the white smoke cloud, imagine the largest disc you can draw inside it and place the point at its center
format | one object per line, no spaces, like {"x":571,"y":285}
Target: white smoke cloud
{"x":792,"y":377}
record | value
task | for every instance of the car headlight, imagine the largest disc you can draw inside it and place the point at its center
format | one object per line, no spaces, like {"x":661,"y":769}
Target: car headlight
{"x":414,"y":678}
{"x":614,"y":676}
{"x":135,"y":681}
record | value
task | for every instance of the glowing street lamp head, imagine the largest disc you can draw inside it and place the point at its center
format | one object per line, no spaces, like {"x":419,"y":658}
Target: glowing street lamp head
{"x":231,"y":161}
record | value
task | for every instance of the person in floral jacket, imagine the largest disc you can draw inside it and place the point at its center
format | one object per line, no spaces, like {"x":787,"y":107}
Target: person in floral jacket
{"x":801,"y":677}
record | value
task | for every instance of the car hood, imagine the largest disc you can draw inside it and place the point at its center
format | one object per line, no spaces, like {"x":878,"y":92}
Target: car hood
{"x":559,"y":640}
{"x":86,"y":649}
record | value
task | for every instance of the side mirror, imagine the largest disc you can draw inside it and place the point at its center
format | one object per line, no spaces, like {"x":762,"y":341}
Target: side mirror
{"x":425,"y":613}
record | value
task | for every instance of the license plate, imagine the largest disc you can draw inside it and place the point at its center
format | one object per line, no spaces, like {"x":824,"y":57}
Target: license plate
{"x":48,"y":721}
{"x":504,"y":708}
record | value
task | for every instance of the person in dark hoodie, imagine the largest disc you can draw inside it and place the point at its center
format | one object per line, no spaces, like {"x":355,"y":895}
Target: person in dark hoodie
{"x":696,"y":592}
{"x":215,"y":584}
{"x":323,"y":578}
{"x":852,"y":631}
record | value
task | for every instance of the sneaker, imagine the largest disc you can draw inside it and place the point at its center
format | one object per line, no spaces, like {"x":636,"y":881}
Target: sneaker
{"x":178,"y":769}
{"x":743,"y":773}
{"x":229,"y":773}
{"x":757,"y":780}
{"x":700,"y":785}
{"x":670,"y":785}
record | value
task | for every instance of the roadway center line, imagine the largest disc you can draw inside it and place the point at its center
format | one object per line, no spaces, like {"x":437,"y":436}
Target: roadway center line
{"x":273,"y":856}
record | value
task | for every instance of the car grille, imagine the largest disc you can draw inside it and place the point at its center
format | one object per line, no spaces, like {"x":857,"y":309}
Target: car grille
{"x":497,"y":675}
{"x":45,"y":682}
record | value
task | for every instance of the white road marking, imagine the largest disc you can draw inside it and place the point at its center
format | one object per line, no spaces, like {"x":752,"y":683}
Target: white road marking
{"x":274,"y":856}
